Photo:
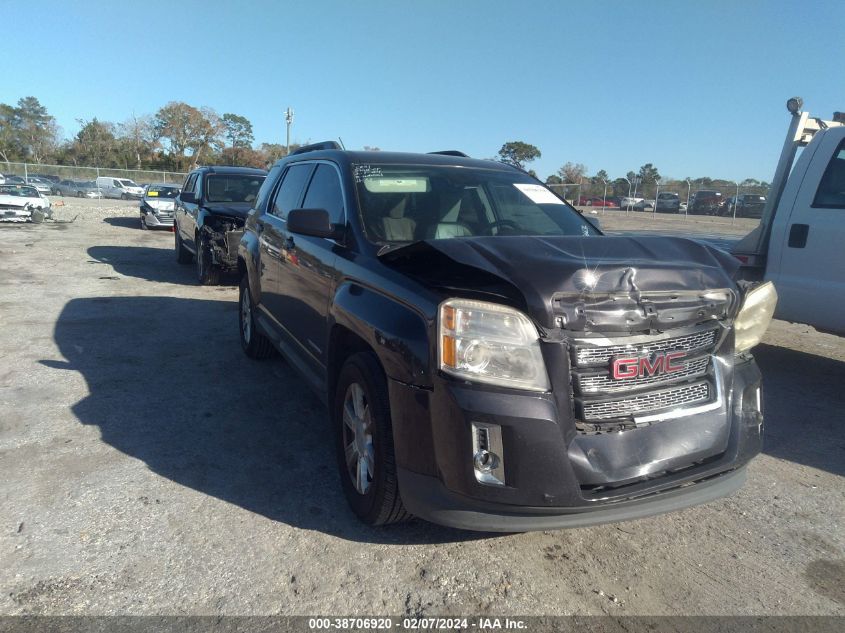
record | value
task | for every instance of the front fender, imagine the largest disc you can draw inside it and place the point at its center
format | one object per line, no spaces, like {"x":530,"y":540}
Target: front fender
{"x":249,"y":259}
{"x":397,"y":332}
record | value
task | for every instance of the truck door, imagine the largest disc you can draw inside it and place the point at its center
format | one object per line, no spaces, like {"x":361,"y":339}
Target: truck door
{"x":308,"y":276}
{"x":807,"y":254}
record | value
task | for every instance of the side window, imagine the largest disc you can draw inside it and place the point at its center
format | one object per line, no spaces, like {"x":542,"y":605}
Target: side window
{"x":266,"y":188}
{"x":190,"y":181}
{"x":831,"y":192}
{"x":288,"y":195}
{"x":324,"y":192}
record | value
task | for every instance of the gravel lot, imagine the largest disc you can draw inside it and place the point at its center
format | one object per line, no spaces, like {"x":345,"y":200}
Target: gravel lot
{"x":148,"y":467}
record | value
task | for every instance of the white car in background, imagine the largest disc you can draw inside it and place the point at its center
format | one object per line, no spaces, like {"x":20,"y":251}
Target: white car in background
{"x":122,"y":188}
{"x":629,"y":201}
{"x":17,"y":202}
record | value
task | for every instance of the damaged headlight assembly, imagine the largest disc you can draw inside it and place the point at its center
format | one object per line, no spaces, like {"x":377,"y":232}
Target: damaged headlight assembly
{"x":754,"y":316}
{"x":490,"y":343}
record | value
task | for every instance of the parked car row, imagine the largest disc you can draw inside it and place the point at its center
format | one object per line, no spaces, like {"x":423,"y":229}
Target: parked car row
{"x":105,"y":186}
{"x":452,"y":313}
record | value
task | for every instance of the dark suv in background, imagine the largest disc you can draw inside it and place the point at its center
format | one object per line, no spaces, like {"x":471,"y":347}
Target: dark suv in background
{"x":490,"y":360}
{"x":705,"y":202}
{"x":209,"y":216}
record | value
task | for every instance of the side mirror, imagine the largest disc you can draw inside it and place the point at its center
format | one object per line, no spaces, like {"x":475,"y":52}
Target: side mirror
{"x":188,"y":196}
{"x":313,"y":222}
{"x":594,"y":221}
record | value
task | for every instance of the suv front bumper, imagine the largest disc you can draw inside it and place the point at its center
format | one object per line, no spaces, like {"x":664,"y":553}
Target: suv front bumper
{"x":556,"y":477}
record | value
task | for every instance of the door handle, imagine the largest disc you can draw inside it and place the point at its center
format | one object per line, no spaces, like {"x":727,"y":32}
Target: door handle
{"x":798,"y":235}
{"x":272,"y":251}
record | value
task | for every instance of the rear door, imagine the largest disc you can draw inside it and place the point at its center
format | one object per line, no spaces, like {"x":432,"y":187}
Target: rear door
{"x":808,"y":263}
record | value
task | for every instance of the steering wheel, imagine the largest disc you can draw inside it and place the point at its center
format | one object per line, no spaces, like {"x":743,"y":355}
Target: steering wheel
{"x":505,"y":224}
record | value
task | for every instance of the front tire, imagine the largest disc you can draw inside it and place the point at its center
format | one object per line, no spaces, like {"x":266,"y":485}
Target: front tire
{"x":123,"y":196}
{"x":364,"y":441}
{"x":143,"y":223}
{"x":254,"y":343}
{"x":207,"y":273}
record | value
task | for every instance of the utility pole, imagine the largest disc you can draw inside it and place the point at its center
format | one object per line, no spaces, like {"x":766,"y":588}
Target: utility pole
{"x":288,"y":121}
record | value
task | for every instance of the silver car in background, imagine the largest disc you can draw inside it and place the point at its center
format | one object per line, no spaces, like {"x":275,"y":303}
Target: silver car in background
{"x":77,"y":188}
{"x":43,"y":186}
{"x":157,"y":205}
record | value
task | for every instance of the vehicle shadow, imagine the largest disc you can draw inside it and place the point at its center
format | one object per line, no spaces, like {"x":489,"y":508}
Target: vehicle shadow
{"x":125,"y":221}
{"x":168,"y":384}
{"x":152,"y":264}
{"x":803,"y":407}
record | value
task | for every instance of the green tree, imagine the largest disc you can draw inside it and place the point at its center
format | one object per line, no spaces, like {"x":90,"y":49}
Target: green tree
{"x":9,"y":137}
{"x":648,"y":174}
{"x":238,"y":131}
{"x":554,"y":179}
{"x":620,"y":187}
{"x":36,"y":130}
{"x":95,"y":143}
{"x":517,"y":153}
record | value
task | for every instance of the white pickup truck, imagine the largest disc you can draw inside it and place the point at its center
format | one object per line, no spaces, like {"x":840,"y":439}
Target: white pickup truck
{"x":799,"y":244}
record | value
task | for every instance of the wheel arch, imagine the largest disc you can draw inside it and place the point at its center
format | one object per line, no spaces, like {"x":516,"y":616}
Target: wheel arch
{"x":396,"y":332}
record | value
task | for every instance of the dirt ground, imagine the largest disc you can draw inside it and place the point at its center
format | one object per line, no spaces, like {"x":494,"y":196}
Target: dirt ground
{"x":148,"y":467}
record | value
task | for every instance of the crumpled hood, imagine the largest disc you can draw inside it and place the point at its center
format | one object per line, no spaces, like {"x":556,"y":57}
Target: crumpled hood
{"x":232,"y":209}
{"x":599,"y":283}
{"x":161,"y":205}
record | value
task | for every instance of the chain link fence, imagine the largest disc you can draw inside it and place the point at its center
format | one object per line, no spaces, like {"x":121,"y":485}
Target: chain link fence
{"x":69,"y":172}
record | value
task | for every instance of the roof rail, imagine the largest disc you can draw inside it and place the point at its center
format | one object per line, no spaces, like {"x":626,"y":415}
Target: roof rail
{"x":451,"y":152}
{"x":316,"y":146}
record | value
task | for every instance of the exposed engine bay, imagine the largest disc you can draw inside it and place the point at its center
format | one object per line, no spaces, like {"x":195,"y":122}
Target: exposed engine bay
{"x":222,"y":233}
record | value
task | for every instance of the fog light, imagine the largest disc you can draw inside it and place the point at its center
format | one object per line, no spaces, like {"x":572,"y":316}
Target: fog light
{"x":487,"y":454}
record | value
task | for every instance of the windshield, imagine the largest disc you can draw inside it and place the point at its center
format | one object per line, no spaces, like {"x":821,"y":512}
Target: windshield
{"x":161,"y":191}
{"x":19,"y":191}
{"x":416,"y":202}
{"x":232,"y":187}
{"x":127,"y":183}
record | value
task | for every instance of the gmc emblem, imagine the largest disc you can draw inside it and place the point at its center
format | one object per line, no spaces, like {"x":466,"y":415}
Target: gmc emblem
{"x":624,"y":367}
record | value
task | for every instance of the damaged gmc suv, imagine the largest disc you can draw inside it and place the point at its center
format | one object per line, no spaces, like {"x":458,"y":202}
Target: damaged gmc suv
{"x":209,"y":217}
{"x":489,"y":358}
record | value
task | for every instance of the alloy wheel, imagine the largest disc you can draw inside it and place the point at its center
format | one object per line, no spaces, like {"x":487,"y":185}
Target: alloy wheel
{"x":358,"y":438}
{"x":246,"y":317}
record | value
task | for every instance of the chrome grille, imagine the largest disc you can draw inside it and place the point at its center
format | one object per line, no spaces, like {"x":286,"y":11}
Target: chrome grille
{"x":659,"y":400}
{"x":603,"y":383}
{"x":584,"y":355}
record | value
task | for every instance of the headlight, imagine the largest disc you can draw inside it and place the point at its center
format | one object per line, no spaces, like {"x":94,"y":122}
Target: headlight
{"x":490,"y":343}
{"x":754,"y":316}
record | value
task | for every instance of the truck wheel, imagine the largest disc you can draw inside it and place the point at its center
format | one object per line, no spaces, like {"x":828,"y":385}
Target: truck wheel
{"x":207,"y":273}
{"x":183,"y":255}
{"x":143,"y":223}
{"x":254,"y":343}
{"x":364,"y":437}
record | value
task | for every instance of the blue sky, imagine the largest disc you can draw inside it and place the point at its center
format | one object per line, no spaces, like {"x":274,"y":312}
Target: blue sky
{"x":697,"y":88}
